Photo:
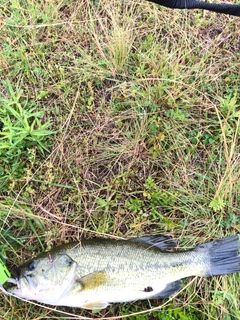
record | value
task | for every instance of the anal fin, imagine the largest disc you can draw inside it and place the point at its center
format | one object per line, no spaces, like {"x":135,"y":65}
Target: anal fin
{"x":170,"y":289}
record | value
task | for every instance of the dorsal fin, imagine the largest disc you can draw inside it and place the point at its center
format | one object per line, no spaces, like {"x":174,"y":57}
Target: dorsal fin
{"x":162,"y":242}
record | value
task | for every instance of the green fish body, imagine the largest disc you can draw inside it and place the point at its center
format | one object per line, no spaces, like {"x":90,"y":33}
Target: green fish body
{"x":96,"y":272}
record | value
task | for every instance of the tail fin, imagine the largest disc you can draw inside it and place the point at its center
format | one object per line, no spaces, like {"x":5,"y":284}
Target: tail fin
{"x":223,"y":254}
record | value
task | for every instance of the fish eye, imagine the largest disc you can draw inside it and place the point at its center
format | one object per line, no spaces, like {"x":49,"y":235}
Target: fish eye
{"x":32,"y":265}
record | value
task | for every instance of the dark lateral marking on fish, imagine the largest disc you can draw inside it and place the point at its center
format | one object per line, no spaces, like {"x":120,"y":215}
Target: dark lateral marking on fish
{"x":148,"y":289}
{"x":179,"y":264}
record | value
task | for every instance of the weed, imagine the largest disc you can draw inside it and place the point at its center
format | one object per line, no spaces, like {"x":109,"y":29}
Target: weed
{"x":121,"y":119}
{"x":22,"y":132}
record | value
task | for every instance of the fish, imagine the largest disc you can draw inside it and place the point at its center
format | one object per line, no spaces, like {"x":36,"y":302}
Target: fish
{"x":93,"y":273}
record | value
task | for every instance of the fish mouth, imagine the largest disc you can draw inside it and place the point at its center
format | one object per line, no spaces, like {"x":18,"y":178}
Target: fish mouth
{"x":31,"y":282}
{"x":13,"y":285}
{"x":14,"y":281}
{"x":16,"y":286}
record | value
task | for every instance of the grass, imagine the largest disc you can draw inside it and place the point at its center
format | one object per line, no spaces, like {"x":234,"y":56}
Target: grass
{"x":120,"y":119}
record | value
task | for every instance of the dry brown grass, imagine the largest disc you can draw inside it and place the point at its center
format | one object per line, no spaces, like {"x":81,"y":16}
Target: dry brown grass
{"x":135,"y":92}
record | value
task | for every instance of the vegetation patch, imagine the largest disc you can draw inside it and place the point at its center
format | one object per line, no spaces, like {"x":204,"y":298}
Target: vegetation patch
{"x":119,"y":119}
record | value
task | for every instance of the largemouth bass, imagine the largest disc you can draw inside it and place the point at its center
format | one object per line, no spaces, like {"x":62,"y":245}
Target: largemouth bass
{"x":96,"y":272}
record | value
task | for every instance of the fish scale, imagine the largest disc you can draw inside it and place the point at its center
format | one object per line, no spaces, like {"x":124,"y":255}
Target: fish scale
{"x":96,"y":272}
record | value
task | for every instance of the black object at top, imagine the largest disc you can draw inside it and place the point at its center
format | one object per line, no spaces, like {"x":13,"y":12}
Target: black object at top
{"x":232,"y":9}
{"x":1,"y":125}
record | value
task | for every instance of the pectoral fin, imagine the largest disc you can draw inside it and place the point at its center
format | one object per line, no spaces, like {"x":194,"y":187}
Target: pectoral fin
{"x":95,"y":305}
{"x":93,"y":280}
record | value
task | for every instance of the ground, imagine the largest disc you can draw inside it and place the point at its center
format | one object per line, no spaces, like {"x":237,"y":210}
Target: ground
{"x":120,"y":119}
